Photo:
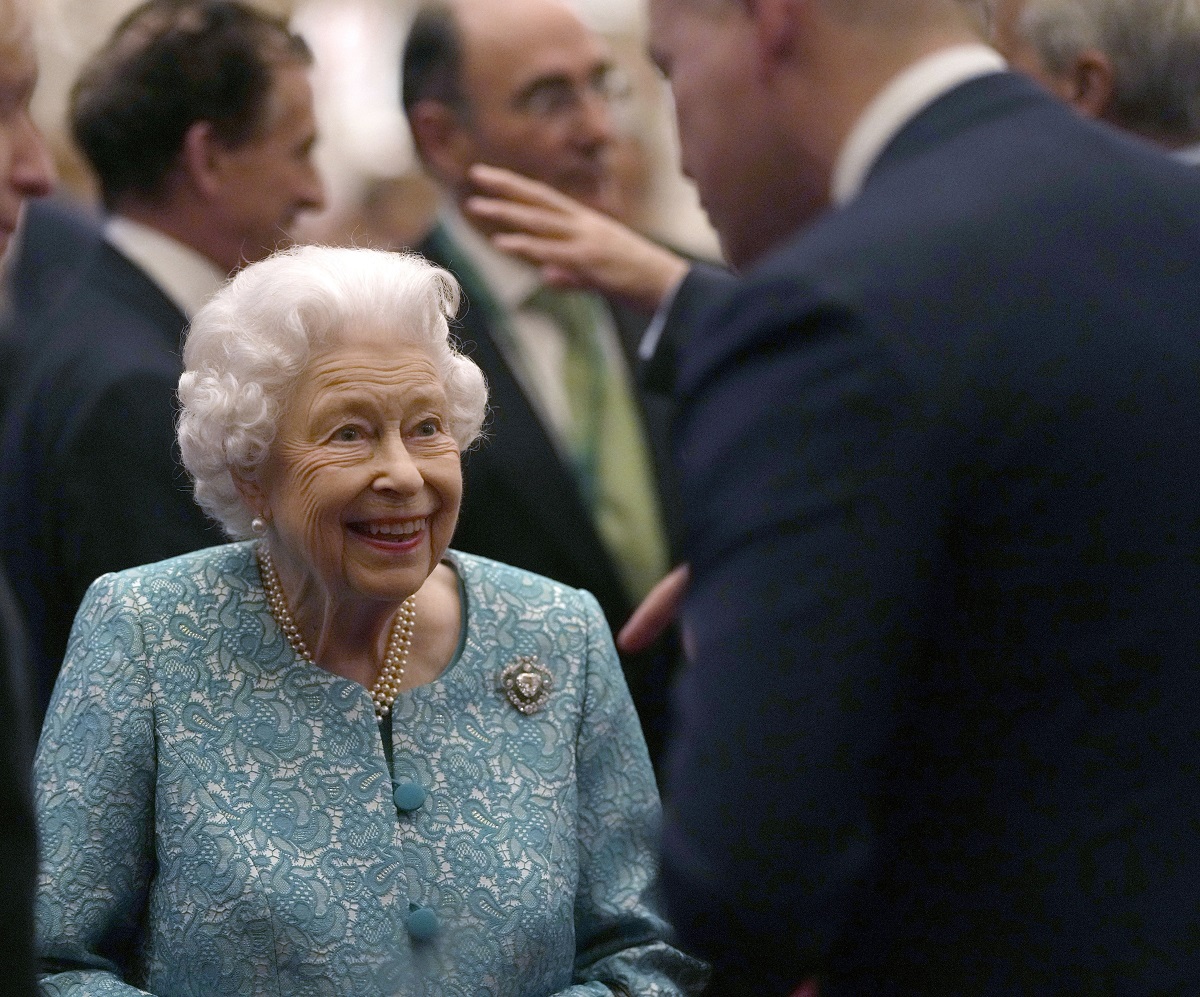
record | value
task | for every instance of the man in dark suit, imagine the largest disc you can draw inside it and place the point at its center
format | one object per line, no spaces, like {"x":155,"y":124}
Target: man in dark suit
{"x":198,"y":120}
{"x":939,"y":461}
{"x":524,"y":85}
{"x":25,"y":172}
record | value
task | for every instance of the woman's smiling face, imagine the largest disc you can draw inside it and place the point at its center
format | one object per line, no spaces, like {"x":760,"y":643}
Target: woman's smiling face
{"x":363,"y":481}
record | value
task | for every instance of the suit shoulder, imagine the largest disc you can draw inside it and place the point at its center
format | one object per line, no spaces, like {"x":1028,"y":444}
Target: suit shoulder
{"x":91,"y":341}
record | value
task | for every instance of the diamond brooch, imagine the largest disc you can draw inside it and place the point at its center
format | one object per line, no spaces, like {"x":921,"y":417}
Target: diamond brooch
{"x":527,"y":684}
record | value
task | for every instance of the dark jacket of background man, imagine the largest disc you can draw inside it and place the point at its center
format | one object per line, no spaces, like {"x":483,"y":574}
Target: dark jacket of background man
{"x":197,"y":119}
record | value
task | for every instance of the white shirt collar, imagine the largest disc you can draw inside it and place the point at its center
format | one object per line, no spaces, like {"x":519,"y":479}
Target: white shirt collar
{"x":185,"y":276}
{"x":1189,"y":154}
{"x":510,"y":280}
{"x":909,"y":93}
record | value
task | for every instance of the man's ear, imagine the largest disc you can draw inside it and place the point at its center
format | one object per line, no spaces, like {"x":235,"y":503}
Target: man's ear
{"x":202,"y":157}
{"x":442,"y":140}
{"x":1088,"y":83}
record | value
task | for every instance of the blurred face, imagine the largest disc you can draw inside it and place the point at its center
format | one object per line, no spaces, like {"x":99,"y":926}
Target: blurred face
{"x":25,"y":169}
{"x":539,"y":88}
{"x":363,"y":481}
{"x":272,"y":178}
{"x":751,"y":182}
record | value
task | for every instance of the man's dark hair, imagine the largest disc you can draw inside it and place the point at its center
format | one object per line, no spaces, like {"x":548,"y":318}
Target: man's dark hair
{"x":167,"y":65}
{"x":432,"y":66}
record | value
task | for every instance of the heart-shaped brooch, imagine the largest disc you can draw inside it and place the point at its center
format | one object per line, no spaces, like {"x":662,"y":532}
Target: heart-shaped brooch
{"x":527,"y":683}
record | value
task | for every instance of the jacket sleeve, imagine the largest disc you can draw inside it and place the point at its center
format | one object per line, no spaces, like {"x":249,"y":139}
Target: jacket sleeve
{"x":95,"y":777}
{"x":622,"y":940}
{"x":675,"y":319}
{"x":816,"y":472}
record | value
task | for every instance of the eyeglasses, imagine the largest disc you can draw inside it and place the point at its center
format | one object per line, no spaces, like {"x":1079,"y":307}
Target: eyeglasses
{"x":557,"y":98}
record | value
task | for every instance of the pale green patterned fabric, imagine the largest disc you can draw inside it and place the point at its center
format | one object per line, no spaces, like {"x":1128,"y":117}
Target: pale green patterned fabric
{"x":216,"y":813}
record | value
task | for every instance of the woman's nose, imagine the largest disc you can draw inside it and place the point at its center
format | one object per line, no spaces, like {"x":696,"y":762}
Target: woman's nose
{"x":397,"y":471}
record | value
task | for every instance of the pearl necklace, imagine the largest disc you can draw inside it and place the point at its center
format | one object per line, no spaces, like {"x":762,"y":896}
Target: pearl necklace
{"x":387,"y":685}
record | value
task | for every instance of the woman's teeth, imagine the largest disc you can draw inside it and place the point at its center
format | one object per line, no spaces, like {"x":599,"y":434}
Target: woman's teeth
{"x":396,"y":529}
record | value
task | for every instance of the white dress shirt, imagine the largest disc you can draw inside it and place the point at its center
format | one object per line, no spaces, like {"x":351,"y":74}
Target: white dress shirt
{"x":1189,"y":154}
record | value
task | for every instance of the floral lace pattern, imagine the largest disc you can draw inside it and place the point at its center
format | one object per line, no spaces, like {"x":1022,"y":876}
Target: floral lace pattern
{"x":217,"y":816}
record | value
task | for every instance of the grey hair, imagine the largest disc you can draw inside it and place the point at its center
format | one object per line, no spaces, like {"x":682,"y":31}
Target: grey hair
{"x":1154,"y":47}
{"x":248,"y":346}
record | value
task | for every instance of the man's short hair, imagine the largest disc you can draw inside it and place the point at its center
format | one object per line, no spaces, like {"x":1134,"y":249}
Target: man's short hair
{"x":1154,"y":47}
{"x":168,"y":65}
{"x":433,"y":60}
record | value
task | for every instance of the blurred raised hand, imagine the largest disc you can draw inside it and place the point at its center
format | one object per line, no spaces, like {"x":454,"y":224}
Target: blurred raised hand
{"x":655,"y":613}
{"x":575,"y":246}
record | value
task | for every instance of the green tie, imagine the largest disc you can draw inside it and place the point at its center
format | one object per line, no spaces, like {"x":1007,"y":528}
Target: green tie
{"x":607,"y":442}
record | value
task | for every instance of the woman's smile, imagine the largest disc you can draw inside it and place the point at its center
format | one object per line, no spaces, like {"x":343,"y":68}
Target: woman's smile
{"x":392,"y":535}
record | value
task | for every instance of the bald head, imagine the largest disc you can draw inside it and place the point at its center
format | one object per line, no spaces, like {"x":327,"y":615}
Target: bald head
{"x":521,"y":84}
{"x":506,"y":23}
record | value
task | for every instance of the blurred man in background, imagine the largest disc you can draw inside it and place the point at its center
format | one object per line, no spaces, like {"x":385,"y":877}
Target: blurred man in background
{"x":25,"y":171}
{"x":571,"y":481}
{"x":1132,"y":63}
{"x":197,"y":118}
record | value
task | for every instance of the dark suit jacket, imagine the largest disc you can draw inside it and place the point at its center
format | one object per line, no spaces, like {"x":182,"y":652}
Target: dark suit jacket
{"x":57,"y":236}
{"x":941,"y":465}
{"x":521,"y":503}
{"x":90,"y":479}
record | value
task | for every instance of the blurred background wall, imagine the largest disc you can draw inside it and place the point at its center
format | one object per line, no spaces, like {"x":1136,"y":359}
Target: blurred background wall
{"x":377,"y":194}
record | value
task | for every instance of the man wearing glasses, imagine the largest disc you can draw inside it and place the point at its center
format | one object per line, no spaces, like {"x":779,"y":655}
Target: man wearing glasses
{"x":568,"y":482}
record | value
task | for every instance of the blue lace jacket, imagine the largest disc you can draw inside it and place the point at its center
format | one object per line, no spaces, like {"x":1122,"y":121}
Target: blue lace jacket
{"x":217,"y":815}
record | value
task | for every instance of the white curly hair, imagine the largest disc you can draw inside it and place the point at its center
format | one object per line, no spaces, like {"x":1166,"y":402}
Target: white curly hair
{"x":246,"y":348}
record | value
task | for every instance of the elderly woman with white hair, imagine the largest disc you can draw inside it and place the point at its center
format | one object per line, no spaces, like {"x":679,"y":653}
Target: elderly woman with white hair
{"x":336,"y":757}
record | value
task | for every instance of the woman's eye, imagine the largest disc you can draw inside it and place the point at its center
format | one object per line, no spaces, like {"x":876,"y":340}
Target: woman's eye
{"x":430,"y":427}
{"x":348,"y":434}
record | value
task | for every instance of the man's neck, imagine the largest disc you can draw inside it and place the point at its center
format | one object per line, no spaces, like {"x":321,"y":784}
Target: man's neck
{"x":839,"y":65}
{"x":509,"y":279}
{"x":186,"y":227}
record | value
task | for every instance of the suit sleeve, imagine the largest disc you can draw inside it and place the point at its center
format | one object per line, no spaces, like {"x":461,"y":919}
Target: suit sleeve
{"x":810,"y":526}
{"x":672,"y":323}
{"x":622,"y":941}
{"x":95,"y":773}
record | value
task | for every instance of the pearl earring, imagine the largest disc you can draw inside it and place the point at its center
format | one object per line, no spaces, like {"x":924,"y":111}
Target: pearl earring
{"x":258,"y":526}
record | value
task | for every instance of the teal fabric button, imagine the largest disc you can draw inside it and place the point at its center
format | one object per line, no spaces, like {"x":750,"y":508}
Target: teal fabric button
{"x":422,"y":924}
{"x":409,"y":796}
